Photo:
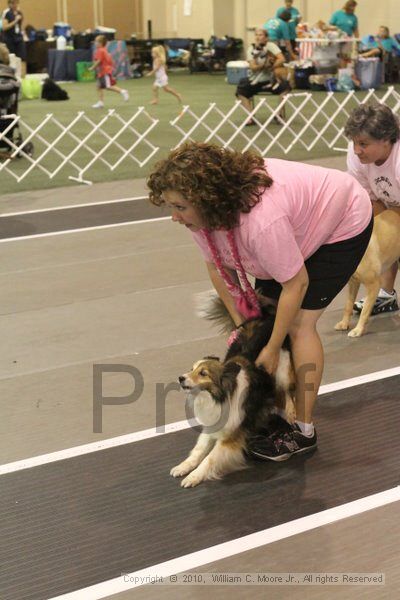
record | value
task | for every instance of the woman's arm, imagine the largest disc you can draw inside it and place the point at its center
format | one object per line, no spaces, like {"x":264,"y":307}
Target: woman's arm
{"x":293,"y":292}
{"x":223,"y":292}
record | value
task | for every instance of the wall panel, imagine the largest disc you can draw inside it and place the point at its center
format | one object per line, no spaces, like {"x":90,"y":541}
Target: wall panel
{"x":80,"y":15}
{"x":156,"y":12}
{"x":224,"y":18}
{"x":200,"y":23}
{"x":123,"y":15}
{"x":41,"y":15}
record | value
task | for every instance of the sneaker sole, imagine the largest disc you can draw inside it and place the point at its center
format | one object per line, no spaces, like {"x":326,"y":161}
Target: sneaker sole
{"x":384,"y":310}
{"x":282,"y":457}
{"x":376,"y":312}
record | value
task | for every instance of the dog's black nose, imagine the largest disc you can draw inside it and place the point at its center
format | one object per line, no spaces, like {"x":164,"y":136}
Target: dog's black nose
{"x":181,"y":379}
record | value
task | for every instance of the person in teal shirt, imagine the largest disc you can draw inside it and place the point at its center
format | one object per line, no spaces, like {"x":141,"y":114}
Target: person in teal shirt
{"x":294,"y":20}
{"x":345,"y":19}
{"x":374,"y":45}
{"x":278,"y":32}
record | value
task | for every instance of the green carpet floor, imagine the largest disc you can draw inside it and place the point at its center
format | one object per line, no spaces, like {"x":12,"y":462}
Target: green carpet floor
{"x":198,"y":90}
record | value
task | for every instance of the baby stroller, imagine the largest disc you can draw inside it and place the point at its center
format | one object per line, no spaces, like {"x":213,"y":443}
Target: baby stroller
{"x":9,"y":90}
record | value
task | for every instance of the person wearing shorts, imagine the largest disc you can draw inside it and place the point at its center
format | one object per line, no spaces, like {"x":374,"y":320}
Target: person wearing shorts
{"x":300,"y":230}
{"x":265,"y":69}
{"x":103,"y":65}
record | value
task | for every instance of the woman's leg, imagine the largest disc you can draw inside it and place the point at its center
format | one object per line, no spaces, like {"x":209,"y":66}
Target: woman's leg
{"x":308,"y":357}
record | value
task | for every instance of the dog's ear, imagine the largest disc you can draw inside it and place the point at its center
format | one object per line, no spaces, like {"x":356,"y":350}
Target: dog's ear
{"x":229,"y":376}
{"x":211,"y":358}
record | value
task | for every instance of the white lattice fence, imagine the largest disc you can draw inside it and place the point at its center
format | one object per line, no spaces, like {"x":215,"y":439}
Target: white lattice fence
{"x":76,"y":146}
{"x":301,"y":119}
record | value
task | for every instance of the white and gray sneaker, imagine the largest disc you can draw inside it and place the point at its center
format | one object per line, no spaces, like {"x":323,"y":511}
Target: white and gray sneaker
{"x":98,"y":104}
{"x":385,"y":302}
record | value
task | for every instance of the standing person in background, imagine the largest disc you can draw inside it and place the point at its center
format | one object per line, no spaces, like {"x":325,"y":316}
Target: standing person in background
{"x":279,"y":33}
{"x":160,"y":74}
{"x":345,"y":19}
{"x":103,"y":65}
{"x":11,"y":20}
{"x":373,"y":159}
{"x":294,"y":20}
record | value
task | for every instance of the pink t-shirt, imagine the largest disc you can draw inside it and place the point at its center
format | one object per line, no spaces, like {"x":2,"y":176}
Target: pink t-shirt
{"x":305,"y":208}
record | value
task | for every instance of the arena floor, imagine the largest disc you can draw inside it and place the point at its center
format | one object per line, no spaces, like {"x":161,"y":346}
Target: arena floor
{"x":102,"y":278}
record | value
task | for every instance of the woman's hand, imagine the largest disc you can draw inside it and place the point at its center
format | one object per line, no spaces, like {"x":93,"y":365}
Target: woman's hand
{"x":269,"y":359}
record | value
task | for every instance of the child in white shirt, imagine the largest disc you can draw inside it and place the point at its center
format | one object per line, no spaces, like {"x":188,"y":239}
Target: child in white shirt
{"x":160,"y":74}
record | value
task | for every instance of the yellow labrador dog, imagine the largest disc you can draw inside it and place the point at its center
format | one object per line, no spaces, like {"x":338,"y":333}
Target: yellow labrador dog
{"x":383,"y":250}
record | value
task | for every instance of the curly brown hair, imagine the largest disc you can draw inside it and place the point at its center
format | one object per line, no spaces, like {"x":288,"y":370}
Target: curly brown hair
{"x":219,"y":183}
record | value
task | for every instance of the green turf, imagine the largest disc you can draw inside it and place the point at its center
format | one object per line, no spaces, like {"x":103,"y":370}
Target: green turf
{"x":198,"y":91}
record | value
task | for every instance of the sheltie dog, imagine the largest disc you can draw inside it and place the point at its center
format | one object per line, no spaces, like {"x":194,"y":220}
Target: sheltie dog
{"x":233,"y":399}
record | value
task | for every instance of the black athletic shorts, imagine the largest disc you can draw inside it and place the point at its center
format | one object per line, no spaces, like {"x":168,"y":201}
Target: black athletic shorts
{"x":248,"y":90}
{"x":329,"y":269}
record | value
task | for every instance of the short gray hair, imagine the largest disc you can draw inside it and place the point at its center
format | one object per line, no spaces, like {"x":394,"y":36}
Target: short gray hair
{"x":376,"y":120}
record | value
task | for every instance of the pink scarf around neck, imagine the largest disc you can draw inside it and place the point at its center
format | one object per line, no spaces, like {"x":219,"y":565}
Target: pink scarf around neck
{"x":244,"y":296}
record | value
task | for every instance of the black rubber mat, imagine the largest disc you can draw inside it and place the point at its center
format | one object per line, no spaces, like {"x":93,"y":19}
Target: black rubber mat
{"x":74,"y":523}
{"x":22,"y":225}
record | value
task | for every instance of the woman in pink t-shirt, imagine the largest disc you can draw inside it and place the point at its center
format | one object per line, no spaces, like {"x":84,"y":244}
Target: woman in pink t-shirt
{"x":300,"y":230}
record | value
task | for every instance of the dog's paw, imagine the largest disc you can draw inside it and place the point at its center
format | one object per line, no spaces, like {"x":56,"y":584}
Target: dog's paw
{"x":356,"y":332}
{"x":191,"y":480}
{"x":342,"y":326}
{"x":182,"y":469}
{"x":290,"y":411}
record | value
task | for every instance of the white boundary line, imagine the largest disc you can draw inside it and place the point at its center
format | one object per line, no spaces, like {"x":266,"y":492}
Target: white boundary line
{"x":23,"y":238}
{"x":67,"y":207}
{"x":145,"y":434}
{"x":233,"y":547}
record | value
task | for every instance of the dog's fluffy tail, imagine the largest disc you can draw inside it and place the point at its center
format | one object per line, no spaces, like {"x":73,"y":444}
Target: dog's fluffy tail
{"x":210,"y":306}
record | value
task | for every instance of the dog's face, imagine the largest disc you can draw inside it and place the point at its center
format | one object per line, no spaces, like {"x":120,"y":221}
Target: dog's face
{"x":205,"y":396}
{"x":204,"y":376}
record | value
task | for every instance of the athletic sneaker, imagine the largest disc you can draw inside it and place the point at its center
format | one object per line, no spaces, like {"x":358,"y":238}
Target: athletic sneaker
{"x":125,"y":95}
{"x":98,"y":104}
{"x":282,"y":444}
{"x":385,"y":302}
